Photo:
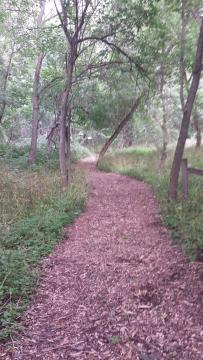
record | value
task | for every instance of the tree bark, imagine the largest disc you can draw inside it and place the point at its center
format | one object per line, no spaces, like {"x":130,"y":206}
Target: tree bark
{"x":198,"y":138}
{"x":35,"y":111}
{"x":164,"y":124}
{"x":4,"y":136}
{"x":182,"y":73}
{"x":118,"y":129}
{"x":65,"y":105}
{"x":128,"y":135}
{"x":175,"y":170}
{"x":8,"y":69}
{"x":62,"y":136}
{"x":72,"y":40}
{"x":36,"y":95}
{"x":164,"y":129}
{"x":198,"y":130}
{"x":68,"y":142}
{"x":52,"y":131}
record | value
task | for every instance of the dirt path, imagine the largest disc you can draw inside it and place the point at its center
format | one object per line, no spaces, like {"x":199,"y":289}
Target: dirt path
{"x":115,"y":288}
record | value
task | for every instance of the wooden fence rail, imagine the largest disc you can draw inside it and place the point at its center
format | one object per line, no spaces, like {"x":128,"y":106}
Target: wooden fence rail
{"x":185,"y":177}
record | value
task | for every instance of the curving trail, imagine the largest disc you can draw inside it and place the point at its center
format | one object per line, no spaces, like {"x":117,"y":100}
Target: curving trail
{"x":115,"y":288}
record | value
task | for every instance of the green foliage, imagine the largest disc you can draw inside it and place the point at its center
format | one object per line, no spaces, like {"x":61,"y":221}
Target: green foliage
{"x":16,"y":157}
{"x":79,"y":151}
{"x":183,"y":219}
{"x":34,"y":210}
{"x":115,"y":339}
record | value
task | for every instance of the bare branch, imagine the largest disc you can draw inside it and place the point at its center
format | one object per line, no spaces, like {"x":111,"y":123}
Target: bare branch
{"x":63,"y":20}
{"x":117,"y":48}
{"x":76,"y":10}
{"x":50,"y":84}
{"x":195,"y":14}
{"x":80,"y":25}
{"x":98,"y":67}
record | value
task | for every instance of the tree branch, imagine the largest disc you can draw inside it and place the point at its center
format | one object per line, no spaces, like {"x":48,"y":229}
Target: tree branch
{"x":116,"y":47}
{"x":63,"y":20}
{"x":50,"y":84}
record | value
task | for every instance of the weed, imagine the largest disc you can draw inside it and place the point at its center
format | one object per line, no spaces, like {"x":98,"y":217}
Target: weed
{"x":115,"y":339}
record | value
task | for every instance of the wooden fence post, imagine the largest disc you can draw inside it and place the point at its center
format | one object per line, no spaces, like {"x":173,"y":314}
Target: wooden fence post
{"x":184,"y":168}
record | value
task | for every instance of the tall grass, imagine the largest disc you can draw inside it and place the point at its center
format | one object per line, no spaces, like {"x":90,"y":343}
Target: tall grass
{"x":34,"y":208}
{"x":21,"y":192}
{"x":183,"y":219}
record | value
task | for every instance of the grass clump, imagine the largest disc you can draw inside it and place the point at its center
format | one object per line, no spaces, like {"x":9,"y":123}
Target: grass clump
{"x":184,"y":219}
{"x":33,"y":211}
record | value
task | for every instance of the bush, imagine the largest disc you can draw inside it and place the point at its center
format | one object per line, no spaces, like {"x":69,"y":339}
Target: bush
{"x":16,"y":157}
{"x":79,"y":151}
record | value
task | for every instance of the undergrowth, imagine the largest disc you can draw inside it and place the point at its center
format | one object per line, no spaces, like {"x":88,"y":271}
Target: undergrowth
{"x":33,"y":211}
{"x":15,"y":157}
{"x":183,"y":219}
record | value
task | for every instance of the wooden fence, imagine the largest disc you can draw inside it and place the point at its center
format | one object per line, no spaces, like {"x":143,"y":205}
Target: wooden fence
{"x":186,"y":171}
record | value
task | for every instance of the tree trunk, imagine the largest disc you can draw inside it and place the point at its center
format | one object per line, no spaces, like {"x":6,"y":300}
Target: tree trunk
{"x":35,"y":111}
{"x":165,"y":141}
{"x":3,"y":135}
{"x":35,"y":94}
{"x":62,"y":136}
{"x":118,"y":130}
{"x":175,"y":170}
{"x":198,"y":138}
{"x":164,"y":124}
{"x":198,"y":130}
{"x":128,"y":135}
{"x":8,"y":69}
{"x":182,"y":73}
{"x":72,"y":41}
{"x":65,"y":105}
{"x":68,"y":143}
{"x":52,"y":131}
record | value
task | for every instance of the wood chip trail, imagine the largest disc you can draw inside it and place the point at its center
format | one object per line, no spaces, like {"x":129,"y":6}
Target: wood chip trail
{"x":115,"y":287}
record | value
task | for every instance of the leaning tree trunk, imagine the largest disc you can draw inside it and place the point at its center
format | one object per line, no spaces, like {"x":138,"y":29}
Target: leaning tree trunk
{"x":118,"y":130}
{"x":35,"y":111}
{"x":175,"y":170}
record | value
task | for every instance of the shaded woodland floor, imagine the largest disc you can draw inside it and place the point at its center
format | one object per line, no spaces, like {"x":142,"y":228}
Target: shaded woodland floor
{"x":115,"y":287}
